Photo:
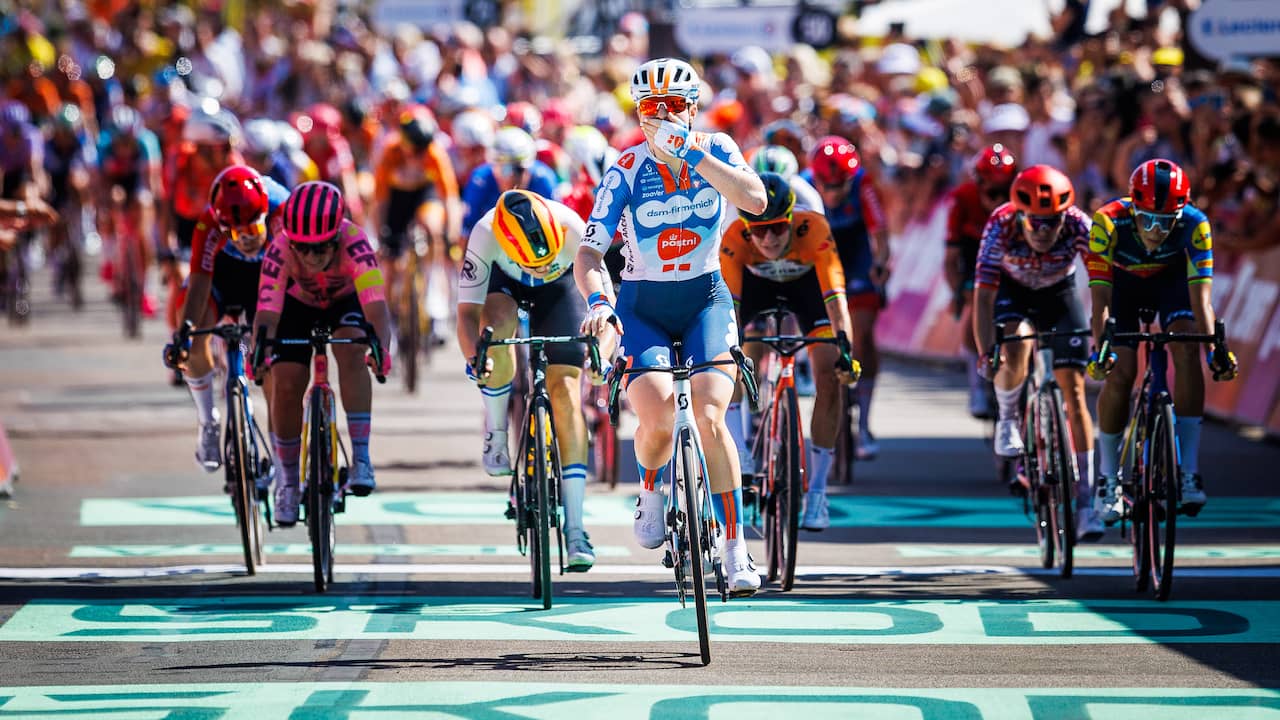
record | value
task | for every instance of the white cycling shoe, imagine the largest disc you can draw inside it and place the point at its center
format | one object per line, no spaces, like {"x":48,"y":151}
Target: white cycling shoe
{"x":581,"y":555}
{"x":868,"y":448}
{"x":817,"y":514}
{"x":209,"y":445}
{"x":287,"y":499}
{"x":360,"y":479}
{"x":1008,"y":438}
{"x":1089,"y":527}
{"x":650,"y":527}
{"x":496,"y":457}
{"x":1107,"y":503}
{"x":741,"y":573}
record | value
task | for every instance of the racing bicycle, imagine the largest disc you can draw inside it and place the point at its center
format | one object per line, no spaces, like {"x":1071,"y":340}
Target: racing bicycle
{"x":779,"y":446}
{"x":1048,"y":460}
{"x":535,"y":486}
{"x":324,"y":458}
{"x":1150,"y":473}
{"x":246,"y":452}
{"x":693,"y":535}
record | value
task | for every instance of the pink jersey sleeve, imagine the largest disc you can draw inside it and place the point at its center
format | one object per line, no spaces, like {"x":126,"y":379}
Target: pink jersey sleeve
{"x":274,"y":278}
{"x":363,"y":264}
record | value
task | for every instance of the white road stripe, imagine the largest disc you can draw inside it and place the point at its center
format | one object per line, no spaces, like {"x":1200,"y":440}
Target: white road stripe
{"x":399,"y":569}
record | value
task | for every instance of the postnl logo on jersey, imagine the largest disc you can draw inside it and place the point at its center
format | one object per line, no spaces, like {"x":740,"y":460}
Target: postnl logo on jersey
{"x":627,"y":161}
{"x":674,"y":243}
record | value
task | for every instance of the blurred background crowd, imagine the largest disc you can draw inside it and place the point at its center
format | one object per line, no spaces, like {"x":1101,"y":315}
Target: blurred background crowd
{"x":332,"y":81}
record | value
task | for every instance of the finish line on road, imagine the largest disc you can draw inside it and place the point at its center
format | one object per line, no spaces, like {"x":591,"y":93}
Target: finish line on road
{"x":618,"y":510}
{"x":301,"y":549}
{"x":982,"y":622}
{"x":629,"y":702}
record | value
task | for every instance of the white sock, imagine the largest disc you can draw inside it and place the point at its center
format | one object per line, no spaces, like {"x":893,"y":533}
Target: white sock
{"x":820,"y":461}
{"x":1007,"y":400}
{"x":733,"y":417}
{"x":495,"y":407}
{"x":1108,"y":454}
{"x":573,"y":488}
{"x":202,"y":393}
{"x":1084,"y":464}
{"x":1187,"y":429}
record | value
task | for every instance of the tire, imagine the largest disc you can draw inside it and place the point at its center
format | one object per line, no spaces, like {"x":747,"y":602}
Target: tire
{"x":1162,"y":499}
{"x":319,"y":491}
{"x":691,"y":468}
{"x":543,"y":475}
{"x":842,"y":468}
{"x":1134,"y":485}
{"x":239,"y":468}
{"x":526,"y":507}
{"x":1063,"y":488}
{"x":1038,"y":487}
{"x":411,"y":327}
{"x":785,"y":484}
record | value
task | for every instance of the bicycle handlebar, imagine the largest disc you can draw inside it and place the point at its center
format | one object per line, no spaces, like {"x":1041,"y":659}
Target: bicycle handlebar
{"x":486,"y":341}
{"x":1218,"y":338}
{"x":320,"y":338}
{"x":1039,"y":337}
{"x":231,"y":332}
{"x":745,"y":367}
{"x":788,"y":345}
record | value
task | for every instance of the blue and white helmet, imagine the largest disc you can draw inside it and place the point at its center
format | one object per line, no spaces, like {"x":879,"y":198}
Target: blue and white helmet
{"x":665,"y":76}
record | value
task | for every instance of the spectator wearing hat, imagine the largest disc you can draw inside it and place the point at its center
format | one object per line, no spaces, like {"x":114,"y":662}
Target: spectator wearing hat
{"x":1006,"y":124}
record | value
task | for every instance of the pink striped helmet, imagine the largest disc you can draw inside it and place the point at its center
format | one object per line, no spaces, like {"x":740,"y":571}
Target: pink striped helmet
{"x":313,"y":212}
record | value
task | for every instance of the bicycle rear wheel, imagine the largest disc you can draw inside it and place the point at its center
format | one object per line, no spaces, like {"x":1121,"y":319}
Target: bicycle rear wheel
{"x":1162,"y":499}
{"x":319,"y":491}
{"x":240,"y":471}
{"x":411,"y":324}
{"x":783,"y":529}
{"x":1062,"y":489}
{"x":543,"y":474}
{"x":691,"y":469}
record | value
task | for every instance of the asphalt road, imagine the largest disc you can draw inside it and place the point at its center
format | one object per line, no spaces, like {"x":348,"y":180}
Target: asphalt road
{"x":121,"y":592}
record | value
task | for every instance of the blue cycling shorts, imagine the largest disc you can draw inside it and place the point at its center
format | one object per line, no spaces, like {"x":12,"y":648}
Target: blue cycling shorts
{"x":697,"y":312}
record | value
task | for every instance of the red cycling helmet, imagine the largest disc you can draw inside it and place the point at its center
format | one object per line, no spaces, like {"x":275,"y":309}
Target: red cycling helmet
{"x":325,"y":117}
{"x":834,"y":160}
{"x":525,"y":116}
{"x":313,"y":213}
{"x":996,"y":166}
{"x":1159,"y":186}
{"x":237,"y":197}
{"x":1042,"y":190}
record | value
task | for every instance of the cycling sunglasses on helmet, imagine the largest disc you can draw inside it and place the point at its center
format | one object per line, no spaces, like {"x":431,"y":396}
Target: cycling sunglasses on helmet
{"x":1150,"y":221}
{"x":675,"y":104}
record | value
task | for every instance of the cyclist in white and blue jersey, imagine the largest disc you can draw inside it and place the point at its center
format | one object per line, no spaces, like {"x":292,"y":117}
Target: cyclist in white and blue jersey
{"x":666,"y":197}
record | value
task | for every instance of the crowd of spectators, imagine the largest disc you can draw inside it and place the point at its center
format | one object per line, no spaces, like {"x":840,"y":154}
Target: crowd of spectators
{"x":918,"y":110}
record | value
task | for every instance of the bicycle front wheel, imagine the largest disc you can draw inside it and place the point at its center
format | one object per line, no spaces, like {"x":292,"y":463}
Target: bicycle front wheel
{"x":785,"y":487}
{"x":319,"y":490}
{"x":1063,"y":488}
{"x":239,"y":469}
{"x":690,"y":479}
{"x":543,"y":473}
{"x":1162,"y":499}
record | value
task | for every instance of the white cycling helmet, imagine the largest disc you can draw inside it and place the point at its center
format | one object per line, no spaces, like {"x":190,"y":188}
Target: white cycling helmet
{"x":472,"y":129}
{"x":513,"y":146}
{"x":589,"y":148}
{"x":290,"y":138}
{"x":262,"y":136}
{"x":212,"y":124}
{"x":775,"y":159}
{"x":665,"y":76}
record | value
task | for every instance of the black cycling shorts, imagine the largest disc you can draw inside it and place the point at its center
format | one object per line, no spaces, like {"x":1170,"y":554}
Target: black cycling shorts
{"x":1056,"y":307}
{"x":1166,"y":293}
{"x":402,"y":211}
{"x":803,"y":297}
{"x":298,"y":318}
{"x":555,"y":308}
{"x":235,"y":286}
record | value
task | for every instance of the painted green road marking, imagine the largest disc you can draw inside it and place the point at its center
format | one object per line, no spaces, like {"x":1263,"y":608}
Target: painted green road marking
{"x":347,"y":700}
{"x":1185,"y":552}
{"x":288,"y":549}
{"x":646,"y":620}
{"x":487,"y":508}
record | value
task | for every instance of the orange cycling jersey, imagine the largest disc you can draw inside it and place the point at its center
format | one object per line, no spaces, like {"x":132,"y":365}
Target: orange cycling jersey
{"x":811,"y":247}
{"x":400,"y":168}
{"x":188,"y":176}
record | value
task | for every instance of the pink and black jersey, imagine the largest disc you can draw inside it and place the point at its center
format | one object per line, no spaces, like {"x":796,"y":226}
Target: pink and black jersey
{"x":1004,"y":250}
{"x":354,"y":269}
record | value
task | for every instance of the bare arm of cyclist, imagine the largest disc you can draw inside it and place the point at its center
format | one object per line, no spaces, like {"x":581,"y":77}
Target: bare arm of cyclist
{"x":589,"y":273}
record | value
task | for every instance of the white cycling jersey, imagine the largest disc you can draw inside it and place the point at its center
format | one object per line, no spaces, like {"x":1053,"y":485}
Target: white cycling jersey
{"x":485,"y":256}
{"x":670,"y":225}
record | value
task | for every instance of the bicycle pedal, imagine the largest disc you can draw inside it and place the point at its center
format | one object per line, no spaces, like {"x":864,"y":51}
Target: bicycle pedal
{"x":510,"y":512}
{"x":668,"y":561}
{"x":339,"y":505}
{"x":1190,"y":510}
